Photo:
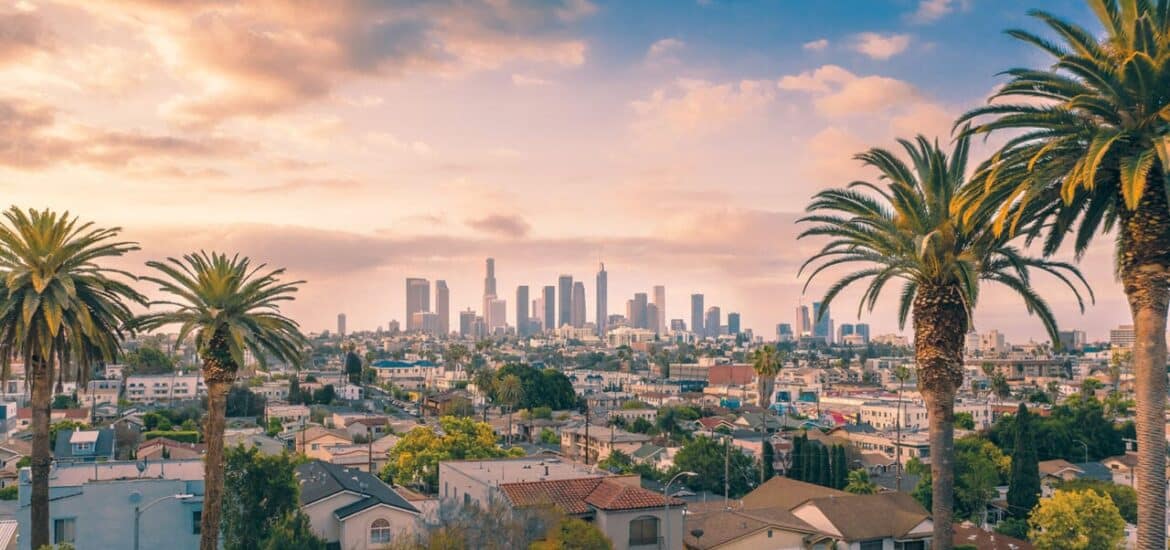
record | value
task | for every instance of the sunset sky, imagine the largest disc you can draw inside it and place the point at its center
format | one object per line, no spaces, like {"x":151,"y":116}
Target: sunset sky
{"x":359,"y":143}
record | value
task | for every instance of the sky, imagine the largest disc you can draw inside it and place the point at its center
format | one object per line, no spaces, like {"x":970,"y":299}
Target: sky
{"x":358,"y":143}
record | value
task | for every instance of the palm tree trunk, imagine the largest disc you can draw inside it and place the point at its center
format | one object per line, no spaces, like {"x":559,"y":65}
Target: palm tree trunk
{"x":940,"y":323}
{"x":42,"y":400}
{"x":213,"y":479}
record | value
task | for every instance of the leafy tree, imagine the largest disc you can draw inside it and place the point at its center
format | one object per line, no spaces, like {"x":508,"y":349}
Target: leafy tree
{"x":799,"y":448}
{"x":148,"y":360}
{"x":1013,"y":527}
{"x":979,"y":467}
{"x":9,"y":492}
{"x":549,"y":436}
{"x":415,"y":458}
{"x":1057,"y":435}
{"x":1072,"y":520}
{"x":541,"y":387}
{"x":230,"y":307}
{"x":325,"y":395}
{"x":259,"y":491}
{"x":510,"y":391}
{"x":1024,"y":485}
{"x":705,"y":456}
{"x":915,"y":229}
{"x":292,"y":531}
{"x":617,"y":462}
{"x":353,"y":367}
{"x":859,"y":483}
{"x":574,"y":534}
{"x":641,"y":425}
{"x":768,"y":458}
{"x":274,"y":427}
{"x":61,"y":311}
{"x":1123,"y":496}
{"x":242,"y":401}
{"x":1093,"y":160}
{"x":964,"y":420}
{"x":635,"y":404}
{"x":840,"y":468}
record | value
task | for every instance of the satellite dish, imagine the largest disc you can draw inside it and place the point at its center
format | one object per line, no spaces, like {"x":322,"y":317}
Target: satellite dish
{"x":141,"y":465}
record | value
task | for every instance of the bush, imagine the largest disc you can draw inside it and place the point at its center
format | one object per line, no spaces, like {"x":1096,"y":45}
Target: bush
{"x":182,"y":436}
{"x":8,"y":493}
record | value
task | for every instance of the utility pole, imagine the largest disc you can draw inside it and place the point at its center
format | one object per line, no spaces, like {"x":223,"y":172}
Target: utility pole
{"x":586,"y":433}
{"x":727,"y":472}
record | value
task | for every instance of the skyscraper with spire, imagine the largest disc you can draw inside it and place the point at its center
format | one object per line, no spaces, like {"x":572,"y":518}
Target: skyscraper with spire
{"x":602,"y":309}
{"x":489,"y":286}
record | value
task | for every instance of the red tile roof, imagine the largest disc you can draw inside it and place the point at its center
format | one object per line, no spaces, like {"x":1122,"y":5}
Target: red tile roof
{"x":575,"y":496}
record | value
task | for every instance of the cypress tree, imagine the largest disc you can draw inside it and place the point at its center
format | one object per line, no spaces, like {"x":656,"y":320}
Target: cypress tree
{"x":768,"y":456}
{"x":840,"y":467}
{"x":796,"y":459}
{"x":824,"y":473}
{"x":1024,"y":485}
{"x":809,"y":473}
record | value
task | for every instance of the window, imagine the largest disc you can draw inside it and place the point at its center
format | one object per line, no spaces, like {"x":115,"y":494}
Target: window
{"x":875,"y":544}
{"x":64,"y":530}
{"x":644,"y":530}
{"x":380,"y":531}
{"x":910,"y":545}
{"x":197,"y":522}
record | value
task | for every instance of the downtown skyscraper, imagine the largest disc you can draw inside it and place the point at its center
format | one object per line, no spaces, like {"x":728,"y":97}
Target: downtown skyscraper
{"x":578,"y":304}
{"x":549,"y":299}
{"x":822,"y":323}
{"x":418,"y":300}
{"x":565,"y":306}
{"x":489,"y":287}
{"x":443,"y":306}
{"x":522,"y":324}
{"x":802,"y":326}
{"x":660,"y":307}
{"x":697,"y":314}
{"x":341,"y":324}
{"x":602,"y":309}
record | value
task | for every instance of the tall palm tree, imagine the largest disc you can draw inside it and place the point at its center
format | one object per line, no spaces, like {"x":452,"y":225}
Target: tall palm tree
{"x":61,"y":311}
{"x":766,"y":363}
{"x":510,"y":391}
{"x":911,"y":229}
{"x":1089,"y":154}
{"x":902,"y":374}
{"x":230,"y":307}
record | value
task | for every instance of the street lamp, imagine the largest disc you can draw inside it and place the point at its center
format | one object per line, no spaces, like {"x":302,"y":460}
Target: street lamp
{"x":138,"y":510}
{"x":666,"y":498}
{"x":1086,"y":446}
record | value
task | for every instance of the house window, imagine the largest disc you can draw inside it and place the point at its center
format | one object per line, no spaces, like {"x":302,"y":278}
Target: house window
{"x":910,"y":545}
{"x":197,"y":522}
{"x":64,"y":530}
{"x":380,"y":531}
{"x":875,"y":544}
{"x":644,"y":530}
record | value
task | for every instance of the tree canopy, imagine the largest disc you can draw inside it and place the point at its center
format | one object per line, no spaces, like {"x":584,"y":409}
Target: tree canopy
{"x":414,"y":460}
{"x":1076,"y":520}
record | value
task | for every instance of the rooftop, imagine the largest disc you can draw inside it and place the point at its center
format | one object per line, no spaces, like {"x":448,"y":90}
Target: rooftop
{"x":75,"y":474}
{"x":510,"y":470}
{"x":576,"y":496}
{"x":319,"y":480}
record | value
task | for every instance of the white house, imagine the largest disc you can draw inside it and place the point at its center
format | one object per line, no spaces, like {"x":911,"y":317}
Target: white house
{"x":353,"y":509}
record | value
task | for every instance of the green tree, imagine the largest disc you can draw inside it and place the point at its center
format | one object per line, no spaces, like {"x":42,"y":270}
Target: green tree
{"x":242,"y":402}
{"x":766,"y":362}
{"x":259,"y":491}
{"x":1076,"y":521}
{"x":840,"y":475}
{"x":549,"y":436}
{"x":415,"y":458}
{"x":231,"y":308}
{"x":1024,"y":485}
{"x":979,"y":468}
{"x":292,"y":531}
{"x":915,"y":229}
{"x":1123,"y":496}
{"x":510,"y":391}
{"x":353,"y":367}
{"x":965,"y":421}
{"x":796,"y":458}
{"x":148,"y":360}
{"x":61,"y":312}
{"x":859,"y":483}
{"x":617,"y":462}
{"x":705,"y":456}
{"x":1093,"y":159}
{"x":574,"y":534}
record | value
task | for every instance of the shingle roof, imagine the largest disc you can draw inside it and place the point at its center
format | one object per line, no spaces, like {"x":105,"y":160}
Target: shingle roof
{"x":722,"y":526}
{"x":854,"y":517}
{"x":319,"y":480}
{"x":786,"y":493}
{"x":966,"y":533}
{"x":576,"y":496}
{"x":103,"y":447}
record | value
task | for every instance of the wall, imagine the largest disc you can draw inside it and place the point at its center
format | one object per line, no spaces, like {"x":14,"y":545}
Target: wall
{"x":616,"y":526}
{"x":321,"y":515}
{"x":355,"y":532}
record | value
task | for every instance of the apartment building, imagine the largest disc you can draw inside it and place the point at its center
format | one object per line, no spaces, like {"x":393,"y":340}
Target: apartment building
{"x":153,"y":388}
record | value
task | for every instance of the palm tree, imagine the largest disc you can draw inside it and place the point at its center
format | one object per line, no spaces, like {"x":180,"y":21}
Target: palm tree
{"x":766,"y":363}
{"x":1089,"y":155}
{"x":902,"y":374}
{"x":913,"y":230}
{"x":510,"y":391}
{"x":61,"y":311}
{"x":230,"y":307}
{"x":859,"y":483}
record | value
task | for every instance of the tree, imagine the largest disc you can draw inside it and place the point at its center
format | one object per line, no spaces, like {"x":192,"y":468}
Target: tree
{"x":292,"y":531}
{"x":840,"y":470}
{"x":510,"y":391}
{"x":768,"y":458}
{"x":353,"y":367}
{"x":979,"y":468}
{"x":1123,"y":496}
{"x":706,"y":456}
{"x":799,"y":448}
{"x":259,"y":491}
{"x":965,"y":420}
{"x":61,"y":312}
{"x":549,"y":436}
{"x":574,"y":534}
{"x":65,"y":425}
{"x":859,"y":483}
{"x":766,"y":363}
{"x":1093,"y":160}
{"x":1024,"y":485}
{"x":617,"y":462}
{"x":242,"y":402}
{"x":148,"y":360}
{"x":230,"y":308}
{"x":916,"y":229}
{"x":325,"y":395}
{"x":415,"y":458}
{"x":1073,"y":520}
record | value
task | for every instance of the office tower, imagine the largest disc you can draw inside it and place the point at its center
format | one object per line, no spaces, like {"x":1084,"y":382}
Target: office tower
{"x":522,"y":310}
{"x":844,"y":330}
{"x":497,"y":314}
{"x":822,"y":323}
{"x":418,"y":299}
{"x":489,"y":288}
{"x":426,"y":322}
{"x":578,"y":304}
{"x":550,"y":306}
{"x":602,"y":309}
{"x":443,"y":307}
{"x":660,"y":305}
{"x":341,"y":324}
{"x":651,"y":315}
{"x":733,"y":323}
{"x":538,"y":312}
{"x":393,"y":327}
{"x":640,"y":320}
{"x":479,"y":329}
{"x":802,"y":326}
{"x":467,"y":323}
{"x":630,"y":315}
{"x":862,"y":330}
{"x":712,"y":325}
{"x":678,"y":325}
{"x":565,"y":306}
{"x":697,"y":314}
{"x":784,"y":332}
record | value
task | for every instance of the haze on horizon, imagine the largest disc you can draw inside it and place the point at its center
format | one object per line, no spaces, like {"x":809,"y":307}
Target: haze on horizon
{"x":675,"y":141}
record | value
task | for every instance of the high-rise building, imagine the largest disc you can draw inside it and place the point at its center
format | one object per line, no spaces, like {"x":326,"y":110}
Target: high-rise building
{"x":862,"y":330}
{"x":418,"y":299}
{"x":697,"y":314}
{"x":640,"y":319}
{"x":426,"y":322}
{"x":784,"y":332}
{"x":538,"y":312}
{"x":651,"y":315}
{"x":497,"y":314}
{"x":712,"y":324}
{"x":678,"y":325}
{"x":550,"y":306}
{"x":393,"y":327}
{"x":467,"y":323}
{"x":822,"y":323}
{"x":443,"y":306}
{"x":489,"y":288}
{"x":522,"y":324}
{"x":802,"y":326}
{"x":1072,"y":340}
{"x":733,"y":324}
{"x":846,"y":329}
{"x":602,"y":309}
{"x":578,"y":304}
{"x":660,"y":305}
{"x":341,"y":324}
{"x":565,"y":306}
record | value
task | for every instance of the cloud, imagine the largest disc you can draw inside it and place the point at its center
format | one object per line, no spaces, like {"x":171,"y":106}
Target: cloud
{"x":698,"y":107}
{"x":880,"y":46}
{"x":22,"y":33}
{"x":510,"y":226}
{"x":816,"y":45}
{"x":838,"y":92}
{"x":929,"y":11}
{"x":301,"y":184}
{"x":664,"y":51}
{"x":528,"y":80}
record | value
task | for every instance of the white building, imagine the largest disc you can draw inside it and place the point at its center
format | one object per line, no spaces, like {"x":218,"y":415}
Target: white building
{"x":352,"y":509}
{"x":350,"y":392}
{"x":151,"y":388}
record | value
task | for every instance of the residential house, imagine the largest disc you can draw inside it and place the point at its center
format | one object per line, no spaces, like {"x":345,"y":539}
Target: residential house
{"x":101,"y":391}
{"x":600,"y":440}
{"x":445,"y":403}
{"x":272,"y":391}
{"x":367,"y":428}
{"x":152,"y":388}
{"x":316,"y":442}
{"x":1124,"y":468}
{"x":968,"y":534}
{"x":351,"y":392}
{"x":24,"y":417}
{"x":93,"y":504}
{"x":267,"y":446}
{"x":288,"y":414}
{"x":352,"y":509}
{"x":396,"y":371}
{"x":84,"y":445}
{"x":162,"y":448}
{"x":11,"y":451}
